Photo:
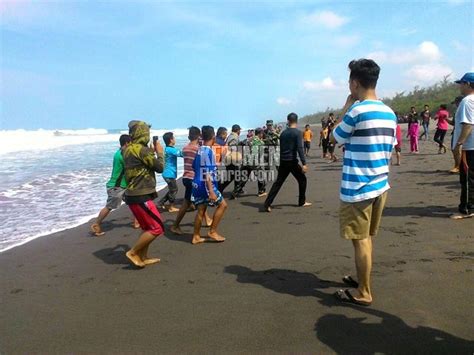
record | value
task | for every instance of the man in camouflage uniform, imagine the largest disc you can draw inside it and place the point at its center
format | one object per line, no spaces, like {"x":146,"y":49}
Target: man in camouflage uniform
{"x":272,"y":141}
{"x":141,"y":164}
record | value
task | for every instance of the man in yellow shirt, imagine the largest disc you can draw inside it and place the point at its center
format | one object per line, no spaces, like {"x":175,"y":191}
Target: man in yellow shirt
{"x":307,"y":136}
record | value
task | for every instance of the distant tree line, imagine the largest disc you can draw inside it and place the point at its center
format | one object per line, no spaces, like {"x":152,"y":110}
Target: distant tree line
{"x":440,"y":93}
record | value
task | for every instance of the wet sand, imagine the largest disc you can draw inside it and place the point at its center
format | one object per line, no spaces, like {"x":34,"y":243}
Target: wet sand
{"x":268,"y":288}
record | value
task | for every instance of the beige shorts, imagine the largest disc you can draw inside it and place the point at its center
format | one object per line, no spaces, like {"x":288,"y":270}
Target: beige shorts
{"x":359,"y":220}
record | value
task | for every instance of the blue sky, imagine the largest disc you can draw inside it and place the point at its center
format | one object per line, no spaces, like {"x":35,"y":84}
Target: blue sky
{"x":82,"y":64}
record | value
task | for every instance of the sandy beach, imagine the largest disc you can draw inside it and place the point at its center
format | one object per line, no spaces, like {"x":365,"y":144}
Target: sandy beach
{"x":267,"y":289}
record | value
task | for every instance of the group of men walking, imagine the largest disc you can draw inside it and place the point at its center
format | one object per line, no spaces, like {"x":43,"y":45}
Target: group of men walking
{"x":368,"y":132}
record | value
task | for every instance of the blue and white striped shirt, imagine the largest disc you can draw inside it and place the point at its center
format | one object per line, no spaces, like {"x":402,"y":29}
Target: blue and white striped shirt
{"x":368,"y":134}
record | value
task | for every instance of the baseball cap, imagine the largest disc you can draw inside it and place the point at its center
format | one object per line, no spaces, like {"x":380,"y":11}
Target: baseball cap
{"x":269,"y":122}
{"x":466,"y":78}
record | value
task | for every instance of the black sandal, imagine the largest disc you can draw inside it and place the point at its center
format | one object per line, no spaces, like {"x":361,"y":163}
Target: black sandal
{"x":348,"y":280}
{"x":346,"y":296}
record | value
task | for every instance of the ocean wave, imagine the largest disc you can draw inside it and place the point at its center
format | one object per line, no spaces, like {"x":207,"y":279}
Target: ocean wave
{"x":52,"y":204}
{"x":40,"y":140}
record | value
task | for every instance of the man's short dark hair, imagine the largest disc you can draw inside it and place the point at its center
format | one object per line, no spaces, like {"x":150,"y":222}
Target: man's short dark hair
{"x":412,"y":107}
{"x":167,"y":137}
{"x":331,"y":113}
{"x":365,"y":71}
{"x":124,"y":139}
{"x":194,"y":133}
{"x":207,"y":133}
{"x":427,"y":105}
{"x":306,"y":126}
{"x":235,"y":128}
{"x":292,"y":117}
{"x":443,"y":106}
{"x":258,"y":131}
{"x":220,"y":131}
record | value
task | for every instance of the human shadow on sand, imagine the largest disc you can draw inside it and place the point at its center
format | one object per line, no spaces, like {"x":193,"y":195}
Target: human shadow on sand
{"x":424,"y":211}
{"x":452,"y":185}
{"x":347,"y":335}
{"x":115,"y":256}
{"x":260,"y":207}
{"x":390,"y":335}
{"x":290,"y":282}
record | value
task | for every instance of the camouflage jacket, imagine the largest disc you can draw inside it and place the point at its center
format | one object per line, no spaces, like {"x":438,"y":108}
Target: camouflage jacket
{"x":272,"y":138}
{"x":141,"y":163}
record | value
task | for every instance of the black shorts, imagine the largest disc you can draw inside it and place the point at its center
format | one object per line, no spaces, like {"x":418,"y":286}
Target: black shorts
{"x":307,"y":145}
{"x":188,"y":184}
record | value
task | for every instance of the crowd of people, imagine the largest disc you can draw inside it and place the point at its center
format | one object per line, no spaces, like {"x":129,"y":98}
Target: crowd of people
{"x":368,"y":132}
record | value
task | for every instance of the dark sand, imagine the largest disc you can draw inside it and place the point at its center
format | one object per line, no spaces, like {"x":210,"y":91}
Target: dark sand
{"x":268,"y":288}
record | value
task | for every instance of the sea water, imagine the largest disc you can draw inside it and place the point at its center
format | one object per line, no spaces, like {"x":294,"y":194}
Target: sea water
{"x":53,"y":180}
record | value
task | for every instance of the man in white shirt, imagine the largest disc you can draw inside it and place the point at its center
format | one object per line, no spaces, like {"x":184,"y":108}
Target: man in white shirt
{"x":463,"y":142}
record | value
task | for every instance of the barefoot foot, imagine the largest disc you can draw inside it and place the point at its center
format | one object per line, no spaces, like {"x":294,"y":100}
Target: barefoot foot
{"x":216,"y":237}
{"x":151,"y":261}
{"x":96,"y":230}
{"x":135,"y":259}
{"x":198,"y":240}
{"x":176,"y":230}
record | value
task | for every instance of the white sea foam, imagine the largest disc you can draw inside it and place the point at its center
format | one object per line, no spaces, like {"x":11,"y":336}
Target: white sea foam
{"x":41,"y":139}
{"x":59,"y":188}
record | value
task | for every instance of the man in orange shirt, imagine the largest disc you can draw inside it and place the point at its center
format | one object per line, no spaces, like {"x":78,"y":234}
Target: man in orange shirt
{"x":307,"y":136}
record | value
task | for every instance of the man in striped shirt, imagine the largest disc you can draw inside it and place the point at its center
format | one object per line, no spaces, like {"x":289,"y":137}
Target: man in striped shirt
{"x":367,"y":131}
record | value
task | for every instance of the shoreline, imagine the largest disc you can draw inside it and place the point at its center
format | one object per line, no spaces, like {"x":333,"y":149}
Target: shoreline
{"x":268,"y":288}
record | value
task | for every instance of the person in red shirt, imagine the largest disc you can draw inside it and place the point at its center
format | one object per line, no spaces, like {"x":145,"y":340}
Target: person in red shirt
{"x":442,"y":116}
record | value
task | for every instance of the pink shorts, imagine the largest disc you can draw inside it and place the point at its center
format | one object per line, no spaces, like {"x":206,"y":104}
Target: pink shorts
{"x":148,"y":216}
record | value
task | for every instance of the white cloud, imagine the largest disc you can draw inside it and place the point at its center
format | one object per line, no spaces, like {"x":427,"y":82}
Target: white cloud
{"x":283,"y":101}
{"x":428,"y":73}
{"x":429,"y":51}
{"x":378,"y":56}
{"x":326,"y":19}
{"x":325,"y":84}
{"x":426,"y":51}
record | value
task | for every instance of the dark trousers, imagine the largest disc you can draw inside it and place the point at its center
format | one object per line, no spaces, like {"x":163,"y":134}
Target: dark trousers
{"x":231,"y":170}
{"x":439,"y":137}
{"x":285,"y":168}
{"x":247,"y":170}
{"x":172,"y":191}
{"x":466,"y":178}
{"x":325,"y":144}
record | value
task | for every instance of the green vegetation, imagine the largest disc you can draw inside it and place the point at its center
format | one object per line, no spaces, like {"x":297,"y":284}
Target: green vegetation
{"x":442,"y":92}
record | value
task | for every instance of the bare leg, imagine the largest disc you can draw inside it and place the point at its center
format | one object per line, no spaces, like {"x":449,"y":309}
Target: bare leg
{"x":135,"y":254}
{"x":182,"y":211}
{"x":363,"y":261}
{"x":201,"y":211}
{"x":398,"y":158}
{"x":104,"y":212}
{"x":213,"y":234}
{"x":136,"y":224}
{"x":146,"y":259}
{"x":207,"y":220}
{"x":95,"y":228}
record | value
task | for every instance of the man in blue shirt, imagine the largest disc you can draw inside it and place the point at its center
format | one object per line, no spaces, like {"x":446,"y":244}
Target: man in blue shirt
{"x":205,"y":188}
{"x":170,"y":173}
{"x":367,"y":131}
